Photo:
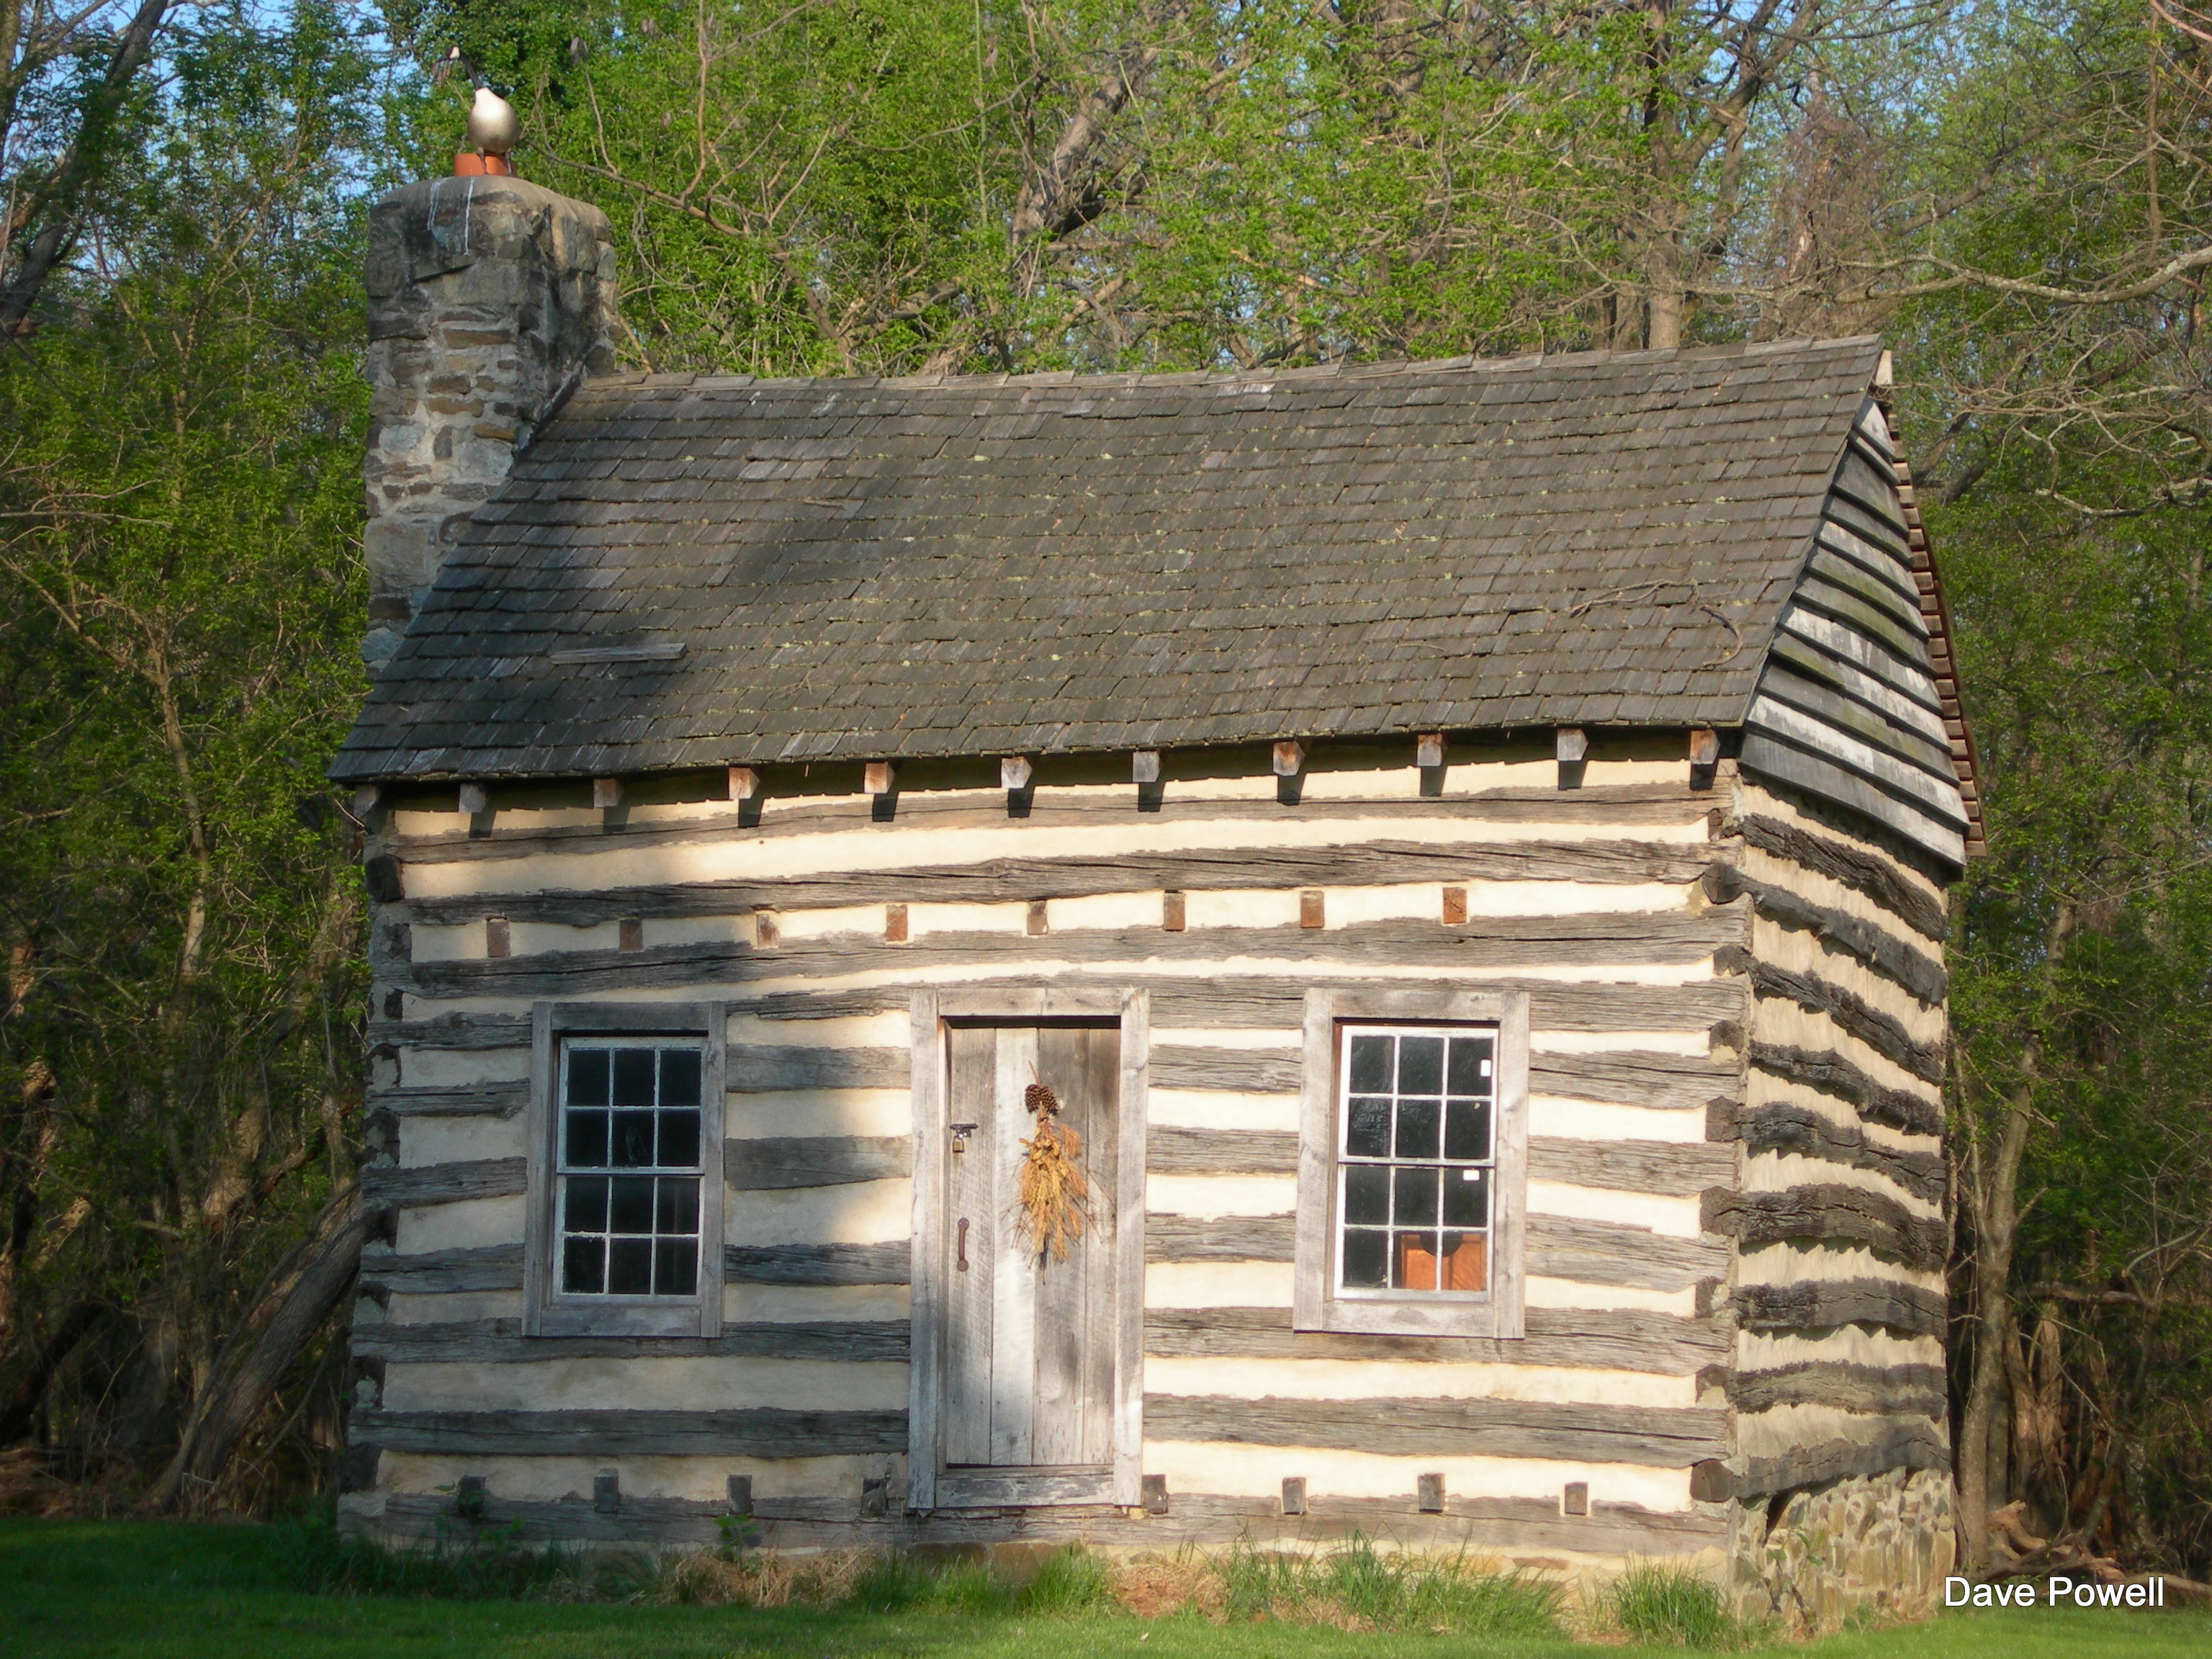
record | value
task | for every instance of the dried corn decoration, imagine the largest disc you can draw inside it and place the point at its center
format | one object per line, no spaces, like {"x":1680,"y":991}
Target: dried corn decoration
{"x":1054,"y":1194}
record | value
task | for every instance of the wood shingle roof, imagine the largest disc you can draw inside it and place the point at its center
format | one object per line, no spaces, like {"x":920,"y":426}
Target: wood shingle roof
{"x":685,"y":572}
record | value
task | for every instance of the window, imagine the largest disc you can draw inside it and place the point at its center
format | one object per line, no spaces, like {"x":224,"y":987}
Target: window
{"x":625,"y":1218}
{"x":1413,"y":1149}
{"x":630,"y":1169}
{"x":1416,"y":1159}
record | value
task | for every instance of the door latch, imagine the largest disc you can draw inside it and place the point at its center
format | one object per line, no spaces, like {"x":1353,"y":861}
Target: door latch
{"x":960,"y":1133}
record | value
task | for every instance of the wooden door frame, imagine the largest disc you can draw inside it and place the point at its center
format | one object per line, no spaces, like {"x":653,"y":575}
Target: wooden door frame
{"x":927,"y":1487}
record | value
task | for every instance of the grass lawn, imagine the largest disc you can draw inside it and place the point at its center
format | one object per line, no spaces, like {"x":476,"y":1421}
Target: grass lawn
{"x":230,"y":1592}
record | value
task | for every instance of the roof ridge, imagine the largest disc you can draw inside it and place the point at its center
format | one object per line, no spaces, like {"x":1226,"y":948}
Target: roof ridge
{"x":1132,"y":380}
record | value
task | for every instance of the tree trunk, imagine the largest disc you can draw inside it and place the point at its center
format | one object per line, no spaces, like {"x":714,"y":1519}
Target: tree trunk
{"x":21,"y":1410}
{"x":302,"y":1291}
{"x":1992,"y":1200}
{"x":1055,"y":198}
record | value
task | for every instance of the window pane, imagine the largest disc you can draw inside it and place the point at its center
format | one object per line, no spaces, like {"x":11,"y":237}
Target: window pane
{"x":629,"y":1266}
{"x":587,"y":1077}
{"x":1366,"y":1194}
{"x":676,"y":1266}
{"x":1420,"y":1066}
{"x":1415,"y":1266}
{"x":632,"y":1141}
{"x":680,"y":1077}
{"x":583,"y":1265}
{"x":676,"y":1205}
{"x":1371,"y":1065}
{"x":1366,"y":1260}
{"x":679,"y":1139}
{"x":1415,"y":1197}
{"x":1467,"y":1198}
{"x":587,"y":1140}
{"x":1367,"y":1127}
{"x":1467,"y":1262}
{"x":1467,"y":1129}
{"x":588,"y":1204}
{"x":1470,"y":1066}
{"x":1416,"y":1127}
{"x":630,"y":1205}
{"x":1420,"y":1143}
{"x":633,"y":1077}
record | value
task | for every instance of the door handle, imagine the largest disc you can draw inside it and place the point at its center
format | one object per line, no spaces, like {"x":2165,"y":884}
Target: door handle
{"x":964,"y":1244}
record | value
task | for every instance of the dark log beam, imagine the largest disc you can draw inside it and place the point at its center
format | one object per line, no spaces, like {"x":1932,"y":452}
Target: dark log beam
{"x":1916,"y":1390}
{"x":1851,"y":1013}
{"x":1656,"y":1437}
{"x":1831,"y":1214}
{"x":1831,"y":1074}
{"x":760,"y":1432}
{"x":1802,"y":1132}
{"x":1609,"y":1340}
{"x":1916,"y":971}
{"x":500,"y":1341}
{"x":1829,"y":1304}
{"x":998,"y":881}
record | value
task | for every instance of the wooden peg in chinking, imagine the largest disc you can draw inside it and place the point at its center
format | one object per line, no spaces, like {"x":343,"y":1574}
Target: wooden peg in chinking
{"x":1704,"y":756}
{"x":1570,"y":744}
{"x":1429,"y":759}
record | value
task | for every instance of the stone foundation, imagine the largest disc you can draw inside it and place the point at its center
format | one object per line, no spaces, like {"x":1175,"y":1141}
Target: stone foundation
{"x":1873,"y":1543}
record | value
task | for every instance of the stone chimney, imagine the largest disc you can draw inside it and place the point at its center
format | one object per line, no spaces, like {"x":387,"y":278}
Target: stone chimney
{"x":489,"y":300}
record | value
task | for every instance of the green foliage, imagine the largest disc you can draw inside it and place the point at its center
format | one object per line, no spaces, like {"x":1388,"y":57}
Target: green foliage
{"x":887,"y":185}
{"x":1669,"y":1607}
{"x":1070,"y":1584}
{"x":864,"y":185}
{"x":80,"y":1589}
{"x":2068,"y":443}
{"x":462,"y":1564}
{"x":1366,"y":1588}
{"x":179,"y":595}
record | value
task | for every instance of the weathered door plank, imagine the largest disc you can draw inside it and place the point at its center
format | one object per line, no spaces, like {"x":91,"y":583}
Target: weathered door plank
{"x":1013,"y":1287}
{"x":1056,"y":1433}
{"x":970,"y":1200}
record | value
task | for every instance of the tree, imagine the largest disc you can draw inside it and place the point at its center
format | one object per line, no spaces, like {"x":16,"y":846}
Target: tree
{"x":180,"y":586}
{"x":68,"y":77}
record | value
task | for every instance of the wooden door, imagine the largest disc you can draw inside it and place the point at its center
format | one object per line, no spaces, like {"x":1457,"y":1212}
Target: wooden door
{"x":1029,"y":1340}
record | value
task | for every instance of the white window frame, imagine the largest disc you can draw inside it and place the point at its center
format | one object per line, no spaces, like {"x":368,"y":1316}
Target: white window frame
{"x":1317,"y":1305}
{"x":546,"y":1310}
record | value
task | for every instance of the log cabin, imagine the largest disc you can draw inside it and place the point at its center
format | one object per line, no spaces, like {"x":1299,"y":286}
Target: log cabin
{"x":1461,"y":846}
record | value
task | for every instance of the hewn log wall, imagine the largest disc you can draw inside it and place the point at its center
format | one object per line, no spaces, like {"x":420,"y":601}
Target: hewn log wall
{"x":1839,"y":1221}
{"x":1735,"y":1011}
{"x":1599,"y":901}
